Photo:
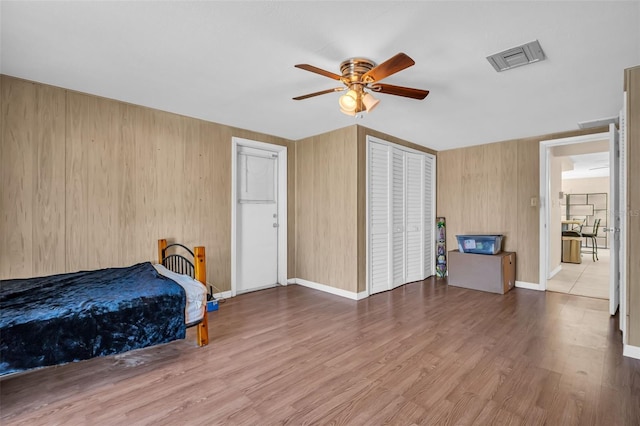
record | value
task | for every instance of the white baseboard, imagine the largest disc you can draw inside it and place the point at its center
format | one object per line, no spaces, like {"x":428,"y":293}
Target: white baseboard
{"x":291,"y":280}
{"x":631,"y":351}
{"x":528,"y":286}
{"x":222,"y":295}
{"x":555,"y":271}
{"x":328,"y":289}
{"x":362,"y":295}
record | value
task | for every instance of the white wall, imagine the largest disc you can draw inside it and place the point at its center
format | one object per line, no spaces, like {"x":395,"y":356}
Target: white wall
{"x":585,"y":185}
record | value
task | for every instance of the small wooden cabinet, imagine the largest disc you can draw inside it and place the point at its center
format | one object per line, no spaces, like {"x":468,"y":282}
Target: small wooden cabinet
{"x":495,"y":273}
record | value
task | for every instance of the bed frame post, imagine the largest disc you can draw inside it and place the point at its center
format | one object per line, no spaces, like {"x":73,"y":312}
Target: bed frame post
{"x":162,"y":244}
{"x":201,"y":275}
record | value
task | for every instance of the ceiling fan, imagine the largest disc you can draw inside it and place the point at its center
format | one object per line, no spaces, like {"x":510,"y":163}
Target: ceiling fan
{"x":359,"y":76}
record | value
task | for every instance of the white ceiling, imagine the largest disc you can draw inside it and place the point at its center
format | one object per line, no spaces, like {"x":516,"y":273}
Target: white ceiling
{"x":588,"y":166}
{"x":584,"y":160}
{"x":233,"y":62}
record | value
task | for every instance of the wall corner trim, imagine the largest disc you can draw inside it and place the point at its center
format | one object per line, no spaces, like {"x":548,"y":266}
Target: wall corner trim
{"x":555,"y":271}
{"x":332,"y":290}
{"x":528,"y":286}
{"x":631,"y":351}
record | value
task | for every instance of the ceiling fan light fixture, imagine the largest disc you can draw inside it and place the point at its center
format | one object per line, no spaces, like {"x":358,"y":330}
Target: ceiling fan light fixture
{"x":349,"y":101}
{"x":359,"y":76}
{"x":370,"y":102}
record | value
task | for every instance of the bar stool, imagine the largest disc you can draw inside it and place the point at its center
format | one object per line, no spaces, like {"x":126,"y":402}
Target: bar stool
{"x":594,"y":242}
{"x":579,"y":227}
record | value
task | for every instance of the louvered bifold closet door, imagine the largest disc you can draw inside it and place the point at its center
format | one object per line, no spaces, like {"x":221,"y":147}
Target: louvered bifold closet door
{"x":429,"y":219}
{"x":398,"y":217}
{"x":414,"y":200}
{"x":379,"y":176}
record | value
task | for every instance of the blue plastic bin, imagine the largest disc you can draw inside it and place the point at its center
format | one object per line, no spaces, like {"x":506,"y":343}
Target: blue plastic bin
{"x":480,"y":244}
{"x":212,"y":305}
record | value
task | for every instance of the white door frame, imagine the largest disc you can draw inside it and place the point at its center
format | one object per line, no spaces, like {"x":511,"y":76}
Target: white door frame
{"x":623,"y":170}
{"x":545,"y":214}
{"x":281,"y":151}
{"x":614,"y":222}
{"x":432,"y":249}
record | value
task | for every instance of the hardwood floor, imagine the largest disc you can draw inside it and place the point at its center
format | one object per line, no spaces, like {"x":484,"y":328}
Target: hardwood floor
{"x":424,"y":353}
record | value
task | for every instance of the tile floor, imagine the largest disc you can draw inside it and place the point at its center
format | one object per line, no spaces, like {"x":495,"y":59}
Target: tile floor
{"x":588,"y":278}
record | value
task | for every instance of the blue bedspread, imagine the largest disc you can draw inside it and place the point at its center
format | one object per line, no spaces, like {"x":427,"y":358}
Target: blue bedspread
{"x":71,"y":317}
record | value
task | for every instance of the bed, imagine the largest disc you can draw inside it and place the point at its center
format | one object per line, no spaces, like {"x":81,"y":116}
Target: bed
{"x":75,"y":316}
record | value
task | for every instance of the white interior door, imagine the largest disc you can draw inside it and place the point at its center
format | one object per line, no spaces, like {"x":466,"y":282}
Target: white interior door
{"x":398,"y":216}
{"x":379,"y":217}
{"x":429,"y":216}
{"x":414,"y":222}
{"x":257,"y":219}
{"x":614,"y":220}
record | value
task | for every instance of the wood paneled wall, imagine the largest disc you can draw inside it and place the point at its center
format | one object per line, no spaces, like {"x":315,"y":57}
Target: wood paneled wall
{"x":331,"y":206}
{"x":632,"y":87}
{"x":89,"y":182}
{"x":326,"y":216}
{"x":32,"y":190}
{"x":363,"y":132}
{"x":488,"y":189}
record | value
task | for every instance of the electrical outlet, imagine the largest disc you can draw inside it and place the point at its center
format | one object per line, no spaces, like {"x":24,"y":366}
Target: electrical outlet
{"x":534,"y":201}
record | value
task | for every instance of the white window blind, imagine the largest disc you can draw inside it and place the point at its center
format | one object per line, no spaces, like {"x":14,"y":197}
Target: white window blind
{"x":256,"y":178}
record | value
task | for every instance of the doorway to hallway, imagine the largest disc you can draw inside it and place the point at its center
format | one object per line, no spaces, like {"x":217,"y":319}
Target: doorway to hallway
{"x":589,"y":278}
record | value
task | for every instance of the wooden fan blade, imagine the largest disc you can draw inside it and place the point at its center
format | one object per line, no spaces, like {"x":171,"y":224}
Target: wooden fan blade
{"x":323,"y":92}
{"x":317,"y":70}
{"x":407,"y":92}
{"x":388,"y":67}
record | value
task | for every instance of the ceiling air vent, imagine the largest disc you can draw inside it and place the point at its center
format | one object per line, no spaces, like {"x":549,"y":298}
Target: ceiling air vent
{"x":517,"y":56}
